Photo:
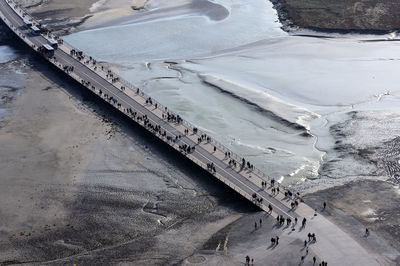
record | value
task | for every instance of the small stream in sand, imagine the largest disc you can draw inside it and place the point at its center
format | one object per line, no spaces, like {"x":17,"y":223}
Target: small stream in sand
{"x":226,"y":66}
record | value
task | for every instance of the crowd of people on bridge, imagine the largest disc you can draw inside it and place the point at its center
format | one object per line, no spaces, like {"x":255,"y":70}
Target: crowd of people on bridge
{"x":172,"y":118}
{"x":68,"y":69}
{"x":202,"y":138}
{"x":211,"y":167}
{"x":186,"y":148}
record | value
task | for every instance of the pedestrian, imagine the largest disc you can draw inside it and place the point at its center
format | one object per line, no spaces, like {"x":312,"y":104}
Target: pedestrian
{"x":305,"y":243}
{"x":247,"y":260}
{"x":302,"y":259}
{"x":252,"y":261}
{"x":314,"y":259}
{"x":295,"y":220}
{"x":307,"y":251}
{"x":277,"y":240}
{"x":366,"y":231}
{"x":260,"y":222}
{"x":324,"y":205}
{"x":272,"y":241}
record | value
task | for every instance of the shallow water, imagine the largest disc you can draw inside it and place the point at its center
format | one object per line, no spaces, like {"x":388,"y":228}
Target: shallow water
{"x":7,"y":54}
{"x":7,"y":94}
{"x":251,"y":85}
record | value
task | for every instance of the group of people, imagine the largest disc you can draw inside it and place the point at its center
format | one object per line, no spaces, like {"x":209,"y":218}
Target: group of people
{"x":275,"y":191}
{"x":311,"y":238}
{"x":206,"y":138}
{"x":211,"y":167}
{"x":256,"y":200}
{"x":77,"y":54}
{"x":186,"y":148}
{"x":274,"y":241}
{"x":68,"y":69}
{"x":232,"y":162}
{"x":294,"y":204}
{"x":263,"y":184}
{"x":170,"y":117}
{"x":248,"y":261}
{"x":280,"y":220}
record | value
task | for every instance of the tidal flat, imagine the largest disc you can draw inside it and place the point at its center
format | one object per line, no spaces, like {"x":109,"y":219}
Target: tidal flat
{"x":81,"y":184}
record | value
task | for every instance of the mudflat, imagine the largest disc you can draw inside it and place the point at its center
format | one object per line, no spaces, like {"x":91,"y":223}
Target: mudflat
{"x":81,"y":184}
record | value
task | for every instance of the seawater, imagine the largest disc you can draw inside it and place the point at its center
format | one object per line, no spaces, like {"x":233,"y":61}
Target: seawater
{"x":7,"y":54}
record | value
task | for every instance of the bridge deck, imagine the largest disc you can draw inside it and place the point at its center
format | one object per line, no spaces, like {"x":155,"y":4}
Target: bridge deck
{"x":245,"y":181}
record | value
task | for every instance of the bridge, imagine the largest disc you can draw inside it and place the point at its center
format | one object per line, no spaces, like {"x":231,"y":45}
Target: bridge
{"x":231,"y":169}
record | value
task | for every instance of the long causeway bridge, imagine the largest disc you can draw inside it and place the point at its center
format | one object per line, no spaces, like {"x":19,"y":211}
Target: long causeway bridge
{"x":334,"y":245}
{"x":231,"y":169}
